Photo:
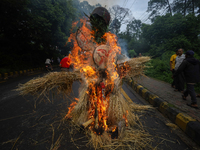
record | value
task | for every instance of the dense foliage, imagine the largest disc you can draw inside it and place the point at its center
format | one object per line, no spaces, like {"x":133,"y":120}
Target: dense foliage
{"x":32,"y":30}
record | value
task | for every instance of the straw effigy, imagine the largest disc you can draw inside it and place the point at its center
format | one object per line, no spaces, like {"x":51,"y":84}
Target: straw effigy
{"x":130,"y":134}
{"x":101,"y":109}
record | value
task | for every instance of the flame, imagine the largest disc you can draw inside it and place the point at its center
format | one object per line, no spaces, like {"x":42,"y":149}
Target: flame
{"x":72,"y":105}
{"x":114,"y":129}
{"x":82,"y":59}
{"x":125,"y":117}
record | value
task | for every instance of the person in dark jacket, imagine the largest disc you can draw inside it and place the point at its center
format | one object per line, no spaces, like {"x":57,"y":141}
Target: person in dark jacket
{"x":191,"y":69}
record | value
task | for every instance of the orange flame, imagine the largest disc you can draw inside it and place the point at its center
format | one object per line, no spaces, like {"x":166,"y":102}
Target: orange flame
{"x":125,"y":117}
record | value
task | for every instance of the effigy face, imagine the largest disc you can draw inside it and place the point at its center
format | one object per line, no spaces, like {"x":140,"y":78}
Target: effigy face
{"x":101,"y":56}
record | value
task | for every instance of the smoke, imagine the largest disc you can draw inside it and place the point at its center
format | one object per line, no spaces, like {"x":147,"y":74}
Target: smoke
{"x":104,"y":3}
{"x":123,"y":44}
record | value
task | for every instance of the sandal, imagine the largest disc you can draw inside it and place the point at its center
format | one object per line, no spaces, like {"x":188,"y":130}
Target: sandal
{"x":193,"y":106}
{"x":183,"y":97}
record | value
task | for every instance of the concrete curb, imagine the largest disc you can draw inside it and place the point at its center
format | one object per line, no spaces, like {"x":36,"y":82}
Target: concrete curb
{"x":189,"y":125}
{"x":14,"y":74}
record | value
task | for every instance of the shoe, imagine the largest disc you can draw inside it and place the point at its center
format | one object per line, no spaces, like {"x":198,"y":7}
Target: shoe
{"x":183,"y":97}
{"x":198,"y":95}
{"x":193,"y":105}
{"x":176,"y":90}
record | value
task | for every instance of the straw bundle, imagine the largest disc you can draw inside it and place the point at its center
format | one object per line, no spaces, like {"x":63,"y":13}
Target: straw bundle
{"x":133,"y":67}
{"x":61,"y":81}
{"x":118,"y":108}
{"x":130,"y":138}
{"x":79,"y":114}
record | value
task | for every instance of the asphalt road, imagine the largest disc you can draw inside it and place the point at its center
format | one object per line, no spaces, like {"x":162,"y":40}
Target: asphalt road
{"x":26,"y":123}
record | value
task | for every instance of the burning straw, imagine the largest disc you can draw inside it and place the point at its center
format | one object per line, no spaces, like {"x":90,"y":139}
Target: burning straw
{"x":133,"y":67}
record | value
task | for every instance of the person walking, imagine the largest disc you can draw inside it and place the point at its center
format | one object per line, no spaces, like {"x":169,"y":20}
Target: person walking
{"x":179,"y":80}
{"x":191,"y":68}
{"x":172,"y":66}
{"x":48,"y":62}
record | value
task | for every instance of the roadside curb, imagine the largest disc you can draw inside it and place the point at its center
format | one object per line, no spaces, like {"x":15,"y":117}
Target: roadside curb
{"x":6,"y":76}
{"x":189,"y":125}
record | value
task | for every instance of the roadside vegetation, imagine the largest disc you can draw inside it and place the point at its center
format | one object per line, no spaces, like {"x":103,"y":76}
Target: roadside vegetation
{"x":173,"y":25}
{"x":33,"y":30}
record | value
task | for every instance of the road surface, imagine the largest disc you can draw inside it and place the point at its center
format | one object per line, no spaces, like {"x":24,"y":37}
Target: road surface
{"x":28,"y":124}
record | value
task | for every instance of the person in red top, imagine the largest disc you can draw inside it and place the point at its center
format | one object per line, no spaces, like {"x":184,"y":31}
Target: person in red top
{"x":65,"y":64}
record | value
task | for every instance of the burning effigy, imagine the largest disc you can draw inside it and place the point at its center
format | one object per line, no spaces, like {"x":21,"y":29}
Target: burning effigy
{"x":101,"y":109}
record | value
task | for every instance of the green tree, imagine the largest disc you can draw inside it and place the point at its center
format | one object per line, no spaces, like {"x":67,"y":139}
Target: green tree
{"x":134,"y":28}
{"x":154,"y":6}
{"x":119,"y":16}
{"x":186,"y":6}
{"x":180,"y":33}
{"x":14,"y":37}
{"x":133,"y":36}
{"x":32,"y":29}
{"x":132,"y":53}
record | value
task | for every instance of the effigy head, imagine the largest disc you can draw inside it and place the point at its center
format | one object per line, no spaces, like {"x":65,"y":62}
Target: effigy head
{"x":99,"y":20}
{"x":101,"y":12}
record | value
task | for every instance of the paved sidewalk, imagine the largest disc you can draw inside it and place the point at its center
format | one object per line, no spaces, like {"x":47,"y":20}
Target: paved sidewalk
{"x":164,"y":91}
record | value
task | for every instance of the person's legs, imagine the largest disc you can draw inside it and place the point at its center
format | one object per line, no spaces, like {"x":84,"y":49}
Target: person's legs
{"x":185,"y":93}
{"x":181,"y":82}
{"x":192,"y":93}
{"x":176,"y":82}
{"x":173,"y":83}
{"x":51,"y":67}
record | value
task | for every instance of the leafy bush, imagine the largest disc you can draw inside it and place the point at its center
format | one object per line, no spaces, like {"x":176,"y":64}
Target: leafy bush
{"x":159,"y":68}
{"x":132,"y":53}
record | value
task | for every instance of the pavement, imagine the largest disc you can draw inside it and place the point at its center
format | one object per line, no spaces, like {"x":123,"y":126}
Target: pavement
{"x":24,"y":126}
{"x":170,"y":103}
{"x":190,"y":125}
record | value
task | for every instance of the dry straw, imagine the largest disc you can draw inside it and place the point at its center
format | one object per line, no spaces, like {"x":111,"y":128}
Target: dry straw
{"x":61,"y":81}
{"x":137,"y":66}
